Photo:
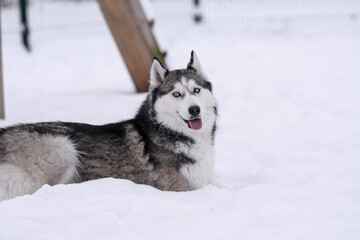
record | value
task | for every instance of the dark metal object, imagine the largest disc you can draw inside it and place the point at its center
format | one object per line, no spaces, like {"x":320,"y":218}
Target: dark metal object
{"x":24,"y":23}
{"x":197,"y":14}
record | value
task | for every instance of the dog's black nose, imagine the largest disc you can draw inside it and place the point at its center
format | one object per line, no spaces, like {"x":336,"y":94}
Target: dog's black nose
{"x":194,"y":110}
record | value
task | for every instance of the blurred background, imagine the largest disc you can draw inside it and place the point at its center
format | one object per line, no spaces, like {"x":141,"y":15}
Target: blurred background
{"x":70,"y":40}
{"x":54,"y":18}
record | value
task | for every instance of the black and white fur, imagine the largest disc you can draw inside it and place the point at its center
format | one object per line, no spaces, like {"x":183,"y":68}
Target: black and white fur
{"x":168,"y":144}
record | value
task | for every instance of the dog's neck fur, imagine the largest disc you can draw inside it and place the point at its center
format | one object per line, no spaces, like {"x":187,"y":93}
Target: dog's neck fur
{"x":196,"y":148}
{"x":146,"y":117}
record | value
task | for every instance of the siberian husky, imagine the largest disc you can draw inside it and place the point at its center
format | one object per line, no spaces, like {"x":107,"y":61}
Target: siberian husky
{"x":168,"y":145}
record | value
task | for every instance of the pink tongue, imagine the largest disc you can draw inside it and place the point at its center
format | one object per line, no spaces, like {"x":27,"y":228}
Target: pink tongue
{"x":195,"y":124}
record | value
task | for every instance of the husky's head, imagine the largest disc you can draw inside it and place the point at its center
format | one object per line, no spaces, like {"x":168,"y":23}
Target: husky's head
{"x":182,"y":99}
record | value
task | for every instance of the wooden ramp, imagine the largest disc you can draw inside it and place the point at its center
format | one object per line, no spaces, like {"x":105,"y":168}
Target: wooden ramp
{"x":133,"y":36}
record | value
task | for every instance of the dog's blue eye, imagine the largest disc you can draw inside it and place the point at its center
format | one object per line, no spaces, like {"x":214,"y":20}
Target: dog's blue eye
{"x":196,"y":90}
{"x":176,"y":94}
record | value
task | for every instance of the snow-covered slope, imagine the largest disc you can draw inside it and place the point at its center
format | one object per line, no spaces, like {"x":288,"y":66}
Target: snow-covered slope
{"x":287,"y":148}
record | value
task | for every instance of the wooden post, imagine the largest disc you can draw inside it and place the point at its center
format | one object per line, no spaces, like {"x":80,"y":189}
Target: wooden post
{"x":133,"y":36}
{"x":2,"y":108}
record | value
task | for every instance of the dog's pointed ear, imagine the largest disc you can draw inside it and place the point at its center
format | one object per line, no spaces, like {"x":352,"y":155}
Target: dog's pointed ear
{"x":157,"y":73}
{"x":194,"y":64}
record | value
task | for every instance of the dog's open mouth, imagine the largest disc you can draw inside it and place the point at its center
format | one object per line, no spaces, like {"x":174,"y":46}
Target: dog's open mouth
{"x":194,"y":124}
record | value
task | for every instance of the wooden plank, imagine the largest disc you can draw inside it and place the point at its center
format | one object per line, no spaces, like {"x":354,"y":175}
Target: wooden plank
{"x":2,"y":108}
{"x":130,"y":39}
{"x":146,"y":29}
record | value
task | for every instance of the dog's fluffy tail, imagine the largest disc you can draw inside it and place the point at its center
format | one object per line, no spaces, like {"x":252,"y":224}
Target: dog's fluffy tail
{"x":14,"y":182}
{"x":36,"y":160}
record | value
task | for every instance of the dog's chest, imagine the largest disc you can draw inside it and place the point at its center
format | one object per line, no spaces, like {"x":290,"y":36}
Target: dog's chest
{"x":199,"y":173}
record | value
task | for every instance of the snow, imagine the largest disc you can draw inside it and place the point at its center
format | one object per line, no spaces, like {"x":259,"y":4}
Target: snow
{"x":287,"y":147}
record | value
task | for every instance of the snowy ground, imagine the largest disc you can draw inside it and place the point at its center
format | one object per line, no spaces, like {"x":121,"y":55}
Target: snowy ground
{"x":287,"y":149}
